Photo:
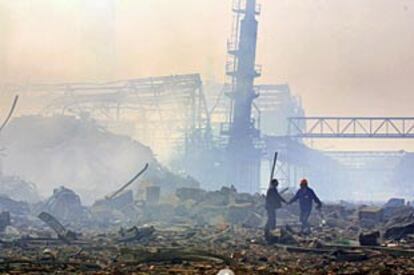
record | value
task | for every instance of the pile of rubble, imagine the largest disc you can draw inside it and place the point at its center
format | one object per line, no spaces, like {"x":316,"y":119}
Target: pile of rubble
{"x":18,"y":189}
{"x":76,"y":153}
{"x":198,"y":231}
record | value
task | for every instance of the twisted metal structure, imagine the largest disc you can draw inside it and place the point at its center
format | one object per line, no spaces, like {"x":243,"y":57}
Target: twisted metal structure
{"x":162,"y":112}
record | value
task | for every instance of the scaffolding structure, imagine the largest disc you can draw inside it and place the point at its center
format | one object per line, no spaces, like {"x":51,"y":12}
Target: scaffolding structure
{"x":243,"y":152}
{"x":162,"y":112}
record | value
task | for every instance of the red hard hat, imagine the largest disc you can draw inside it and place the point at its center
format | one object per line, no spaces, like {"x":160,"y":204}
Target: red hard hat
{"x":304,"y":182}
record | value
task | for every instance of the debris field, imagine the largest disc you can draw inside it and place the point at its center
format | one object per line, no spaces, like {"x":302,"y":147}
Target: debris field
{"x":201,"y":232}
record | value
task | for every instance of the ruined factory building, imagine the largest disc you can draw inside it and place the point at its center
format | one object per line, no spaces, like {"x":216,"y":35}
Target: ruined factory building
{"x":206,"y":137}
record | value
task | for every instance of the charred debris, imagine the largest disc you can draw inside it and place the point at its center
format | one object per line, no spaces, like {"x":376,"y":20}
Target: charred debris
{"x":198,"y":231}
{"x":158,"y":221}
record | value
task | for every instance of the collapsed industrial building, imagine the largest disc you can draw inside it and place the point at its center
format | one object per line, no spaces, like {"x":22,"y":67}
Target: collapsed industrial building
{"x":71,"y":199}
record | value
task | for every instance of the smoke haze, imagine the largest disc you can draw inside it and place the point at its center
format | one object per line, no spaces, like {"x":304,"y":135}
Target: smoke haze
{"x":342,"y":57}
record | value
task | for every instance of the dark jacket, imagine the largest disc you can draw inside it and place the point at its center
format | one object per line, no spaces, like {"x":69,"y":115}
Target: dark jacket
{"x":273,"y":199}
{"x":306,"y":197}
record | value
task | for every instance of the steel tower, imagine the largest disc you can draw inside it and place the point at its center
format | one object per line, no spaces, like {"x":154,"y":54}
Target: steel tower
{"x":243,"y":154}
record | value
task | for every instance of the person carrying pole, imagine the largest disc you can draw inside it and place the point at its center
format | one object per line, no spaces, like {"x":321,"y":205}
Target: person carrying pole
{"x":273,"y":202}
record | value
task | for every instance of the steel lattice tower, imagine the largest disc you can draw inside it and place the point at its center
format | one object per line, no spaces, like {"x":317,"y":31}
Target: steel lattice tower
{"x":243,"y":154}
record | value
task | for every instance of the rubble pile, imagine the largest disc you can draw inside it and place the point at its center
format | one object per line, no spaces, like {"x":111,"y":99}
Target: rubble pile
{"x":197,"y":250}
{"x":119,"y":210}
{"x":202,"y":232}
{"x":65,"y":204}
{"x":17,"y":208}
{"x":79,"y":154}
{"x":223,"y":206}
{"x":18,"y":189}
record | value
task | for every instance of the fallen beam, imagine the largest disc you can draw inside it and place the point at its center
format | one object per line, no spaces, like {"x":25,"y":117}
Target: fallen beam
{"x":63,"y":234}
{"x":13,"y":107}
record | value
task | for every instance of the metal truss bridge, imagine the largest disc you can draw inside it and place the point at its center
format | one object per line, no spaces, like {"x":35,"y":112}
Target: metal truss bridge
{"x":351,"y":127}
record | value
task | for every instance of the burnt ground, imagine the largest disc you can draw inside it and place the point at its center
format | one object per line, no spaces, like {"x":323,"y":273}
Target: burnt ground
{"x":185,"y":250}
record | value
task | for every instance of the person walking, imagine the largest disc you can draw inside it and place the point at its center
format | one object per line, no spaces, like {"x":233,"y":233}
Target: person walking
{"x":306,"y":197}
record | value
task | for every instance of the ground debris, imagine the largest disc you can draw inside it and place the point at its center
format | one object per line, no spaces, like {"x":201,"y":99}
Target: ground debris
{"x":4,"y":220}
{"x":370,"y":238}
{"x":63,"y":234}
{"x":281,"y":236}
{"x":200,"y":250}
{"x":203,"y":232}
{"x":136,"y":234}
{"x":172,"y":255}
{"x":65,"y":204}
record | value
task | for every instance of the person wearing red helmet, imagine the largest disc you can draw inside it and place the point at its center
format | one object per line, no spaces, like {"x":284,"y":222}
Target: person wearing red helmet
{"x":306,"y":197}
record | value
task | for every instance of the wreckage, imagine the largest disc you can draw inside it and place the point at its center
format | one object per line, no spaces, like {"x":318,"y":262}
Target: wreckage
{"x":159,"y":222}
{"x":197,"y":231}
{"x":163,"y":222}
{"x":80,"y":155}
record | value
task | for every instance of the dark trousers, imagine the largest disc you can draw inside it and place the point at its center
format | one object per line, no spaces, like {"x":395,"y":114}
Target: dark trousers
{"x":304,"y":217}
{"x":271,"y":220}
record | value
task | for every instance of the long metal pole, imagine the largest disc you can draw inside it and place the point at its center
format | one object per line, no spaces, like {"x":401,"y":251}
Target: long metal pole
{"x":273,"y":167}
{"x":128,"y":183}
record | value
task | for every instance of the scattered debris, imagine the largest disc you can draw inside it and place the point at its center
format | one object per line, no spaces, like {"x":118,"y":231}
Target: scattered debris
{"x":371,"y":216}
{"x":370,"y":238}
{"x":18,"y":189}
{"x":76,"y":153}
{"x":395,"y":202}
{"x":197,"y":232}
{"x":399,"y":231}
{"x":187,"y":246}
{"x":4,"y":220}
{"x":281,"y":236}
{"x":63,"y":234}
{"x":65,"y":204}
{"x":128,"y":183}
{"x":173,"y":255}
{"x":14,"y":207}
{"x":152,"y":194}
{"x":81,"y":155}
{"x":136,"y":234}
{"x":342,"y":255}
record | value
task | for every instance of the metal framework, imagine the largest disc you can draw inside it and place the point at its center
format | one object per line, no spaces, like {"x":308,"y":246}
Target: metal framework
{"x":167,"y":112}
{"x":272,"y":97}
{"x":351,"y":127}
{"x":243,"y":156}
{"x":274,"y":104}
